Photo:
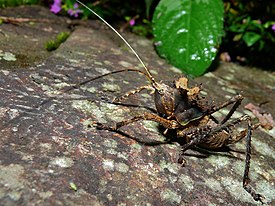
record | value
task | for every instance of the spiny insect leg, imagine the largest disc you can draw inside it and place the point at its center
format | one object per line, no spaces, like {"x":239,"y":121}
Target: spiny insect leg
{"x":237,"y":103}
{"x":236,"y":100}
{"x":197,"y":135}
{"x":246,"y":179}
{"x":205,"y":133}
{"x":169,"y":124}
{"x":132,"y":92}
{"x":200,"y":134}
{"x":225,"y":135}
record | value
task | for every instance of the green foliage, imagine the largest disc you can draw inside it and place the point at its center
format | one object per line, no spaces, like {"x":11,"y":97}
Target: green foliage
{"x":249,"y":27}
{"x":54,"y":44}
{"x":249,"y":31}
{"x":187,"y":33}
{"x":144,"y":29}
{"x":116,"y":9}
{"x":13,"y":3}
{"x":254,"y":33}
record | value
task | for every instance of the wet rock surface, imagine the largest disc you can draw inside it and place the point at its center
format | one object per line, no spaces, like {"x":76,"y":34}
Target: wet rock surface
{"x":48,"y":147}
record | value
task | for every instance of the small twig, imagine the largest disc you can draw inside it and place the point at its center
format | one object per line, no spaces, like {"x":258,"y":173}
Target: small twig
{"x":17,"y":20}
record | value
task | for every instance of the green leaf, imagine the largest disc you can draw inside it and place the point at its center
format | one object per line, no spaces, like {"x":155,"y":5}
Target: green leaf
{"x":237,"y":28}
{"x":268,"y":24}
{"x":73,"y":186}
{"x":237,"y":37}
{"x":188,"y":32}
{"x":148,"y":4}
{"x":251,"y":38}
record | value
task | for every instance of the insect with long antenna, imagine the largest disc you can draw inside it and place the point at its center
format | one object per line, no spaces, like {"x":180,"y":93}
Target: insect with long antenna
{"x":184,"y":110}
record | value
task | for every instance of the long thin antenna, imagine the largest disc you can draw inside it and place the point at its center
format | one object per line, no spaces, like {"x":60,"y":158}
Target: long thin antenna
{"x":150,"y":77}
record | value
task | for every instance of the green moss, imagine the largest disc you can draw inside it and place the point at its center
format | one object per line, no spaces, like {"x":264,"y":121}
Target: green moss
{"x":54,"y":44}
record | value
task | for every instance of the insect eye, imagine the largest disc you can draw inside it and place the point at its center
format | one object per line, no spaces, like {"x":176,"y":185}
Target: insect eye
{"x":160,"y":91}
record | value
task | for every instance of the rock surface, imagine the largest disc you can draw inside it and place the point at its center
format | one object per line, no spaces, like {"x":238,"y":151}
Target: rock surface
{"x":50,"y":156}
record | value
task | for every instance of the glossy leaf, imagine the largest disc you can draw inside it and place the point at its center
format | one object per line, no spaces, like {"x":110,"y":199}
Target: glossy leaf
{"x":251,"y":38}
{"x":188,"y":32}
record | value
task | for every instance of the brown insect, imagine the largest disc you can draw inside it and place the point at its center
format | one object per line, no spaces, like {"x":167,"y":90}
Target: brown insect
{"x":185,"y":110}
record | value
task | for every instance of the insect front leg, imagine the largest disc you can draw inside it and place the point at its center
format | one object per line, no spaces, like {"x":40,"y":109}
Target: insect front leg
{"x":169,"y":124}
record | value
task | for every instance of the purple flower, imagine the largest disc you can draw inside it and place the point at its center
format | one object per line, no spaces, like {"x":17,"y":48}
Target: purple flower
{"x":132,"y":22}
{"x":75,"y":11}
{"x":273,"y":27}
{"x":56,"y":6}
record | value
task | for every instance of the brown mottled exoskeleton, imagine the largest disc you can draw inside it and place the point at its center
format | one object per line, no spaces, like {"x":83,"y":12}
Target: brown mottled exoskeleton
{"x":183,"y":109}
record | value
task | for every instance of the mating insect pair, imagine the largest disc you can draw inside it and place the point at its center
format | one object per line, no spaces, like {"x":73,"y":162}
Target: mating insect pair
{"x":185,"y":110}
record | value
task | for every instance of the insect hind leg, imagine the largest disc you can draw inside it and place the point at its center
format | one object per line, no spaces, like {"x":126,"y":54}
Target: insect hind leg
{"x":246,"y":179}
{"x":202,"y":134}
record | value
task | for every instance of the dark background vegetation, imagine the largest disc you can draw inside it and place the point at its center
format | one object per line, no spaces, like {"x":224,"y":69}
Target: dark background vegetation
{"x":249,"y":37}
